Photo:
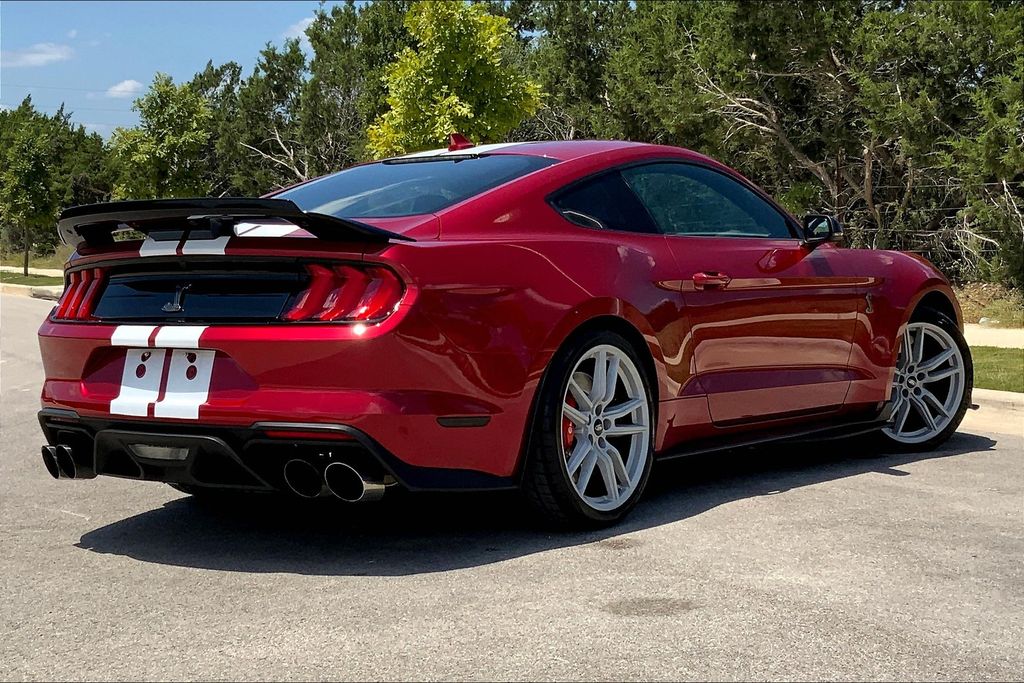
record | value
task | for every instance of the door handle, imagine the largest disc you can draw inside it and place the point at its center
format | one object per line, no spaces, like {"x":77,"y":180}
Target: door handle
{"x":710,"y":280}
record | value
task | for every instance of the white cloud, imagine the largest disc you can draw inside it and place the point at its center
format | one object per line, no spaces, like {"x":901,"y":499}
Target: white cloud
{"x":298,"y":30}
{"x":73,"y":33}
{"x":124,"y":89}
{"x":39,"y":54}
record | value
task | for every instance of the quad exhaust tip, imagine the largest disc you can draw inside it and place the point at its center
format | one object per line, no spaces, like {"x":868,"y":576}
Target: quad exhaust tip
{"x":60,"y":462}
{"x":338,"y":479}
{"x":304,"y":479}
{"x":50,"y":461}
{"x":346,"y":482}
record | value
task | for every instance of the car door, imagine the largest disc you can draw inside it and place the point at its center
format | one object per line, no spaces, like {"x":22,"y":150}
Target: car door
{"x":771,"y":325}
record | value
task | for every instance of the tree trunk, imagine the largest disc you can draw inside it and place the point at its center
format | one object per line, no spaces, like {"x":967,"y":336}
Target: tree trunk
{"x":28,"y":247}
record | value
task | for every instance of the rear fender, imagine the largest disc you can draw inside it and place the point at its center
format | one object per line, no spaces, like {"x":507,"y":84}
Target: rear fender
{"x":589,"y":312}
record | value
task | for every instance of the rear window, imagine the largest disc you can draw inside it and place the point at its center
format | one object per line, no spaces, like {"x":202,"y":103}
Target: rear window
{"x":406,"y":187}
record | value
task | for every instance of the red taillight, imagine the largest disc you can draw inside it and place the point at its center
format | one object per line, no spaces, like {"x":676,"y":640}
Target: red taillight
{"x":78,"y":299}
{"x":74,"y":280}
{"x":347,"y":294}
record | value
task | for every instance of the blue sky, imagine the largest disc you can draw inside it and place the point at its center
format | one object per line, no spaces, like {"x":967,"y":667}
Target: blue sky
{"x":98,"y":56}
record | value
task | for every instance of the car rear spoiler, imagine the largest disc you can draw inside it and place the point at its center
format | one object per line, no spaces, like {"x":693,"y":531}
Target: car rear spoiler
{"x":94,"y":225}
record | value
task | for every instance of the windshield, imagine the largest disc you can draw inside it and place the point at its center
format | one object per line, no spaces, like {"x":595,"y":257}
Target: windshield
{"x":406,"y":187}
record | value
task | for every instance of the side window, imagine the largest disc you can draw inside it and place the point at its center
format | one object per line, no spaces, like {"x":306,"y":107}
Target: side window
{"x":604,"y":203}
{"x":684,"y":199}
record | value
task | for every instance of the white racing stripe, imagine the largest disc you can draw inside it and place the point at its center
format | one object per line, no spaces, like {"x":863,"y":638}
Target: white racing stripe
{"x":168,"y":336}
{"x":138,"y":392}
{"x":270,"y":227}
{"x":152,"y":247}
{"x":188,"y":384}
{"x":131,"y":335}
{"x":179,"y":336}
{"x":214,"y":246}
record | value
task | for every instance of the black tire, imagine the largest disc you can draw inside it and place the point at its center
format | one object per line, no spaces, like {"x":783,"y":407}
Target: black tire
{"x":546,"y":482}
{"x":949,"y":326}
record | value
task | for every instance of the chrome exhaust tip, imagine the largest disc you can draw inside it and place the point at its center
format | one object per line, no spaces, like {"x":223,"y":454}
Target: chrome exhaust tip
{"x":304,"y":479}
{"x":346,"y":483}
{"x":66,"y":462}
{"x":60,"y":462}
{"x":50,"y":461}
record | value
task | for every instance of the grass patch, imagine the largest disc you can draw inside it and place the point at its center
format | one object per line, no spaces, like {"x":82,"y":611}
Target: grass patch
{"x":33,"y":280}
{"x":1001,"y":307}
{"x":1001,"y":369}
{"x":54,"y":260}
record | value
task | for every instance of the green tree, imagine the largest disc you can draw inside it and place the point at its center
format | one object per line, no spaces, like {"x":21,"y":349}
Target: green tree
{"x":269,"y":121}
{"x":650,"y":80}
{"x":163,"y":156}
{"x":223,"y":158}
{"x":27,"y":201}
{"x":382,"y":37}
{"x":577,"y":39}
{"x":456,"y":79}
{"x":330,"y":123}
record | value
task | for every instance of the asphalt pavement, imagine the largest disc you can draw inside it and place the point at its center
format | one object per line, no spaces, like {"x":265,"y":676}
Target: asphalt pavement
{"x":828,"y":560}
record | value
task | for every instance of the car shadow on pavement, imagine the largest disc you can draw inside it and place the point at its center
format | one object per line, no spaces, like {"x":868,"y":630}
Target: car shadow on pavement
{"x":424,"y":533}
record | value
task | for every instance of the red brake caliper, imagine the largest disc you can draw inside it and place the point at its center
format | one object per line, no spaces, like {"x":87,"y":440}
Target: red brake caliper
{"x":568,"y":428}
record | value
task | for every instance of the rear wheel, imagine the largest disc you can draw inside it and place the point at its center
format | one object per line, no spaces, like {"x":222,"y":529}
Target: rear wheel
{"x":592,"y":438}
{"x":932,"y":385}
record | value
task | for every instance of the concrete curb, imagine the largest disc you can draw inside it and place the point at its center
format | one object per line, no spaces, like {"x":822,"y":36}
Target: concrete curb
{"x":48,"y":272}
{"x":49,"y":293}
{"x":999,"y":337}
{"x":1002,"y":400}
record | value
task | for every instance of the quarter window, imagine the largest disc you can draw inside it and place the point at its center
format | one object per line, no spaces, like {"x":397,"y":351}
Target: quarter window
{"x":684,"y":199}
{"x":605,"y":203}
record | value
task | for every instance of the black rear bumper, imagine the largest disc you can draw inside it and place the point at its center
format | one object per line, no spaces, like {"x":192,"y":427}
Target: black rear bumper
{"x":250,"y":458}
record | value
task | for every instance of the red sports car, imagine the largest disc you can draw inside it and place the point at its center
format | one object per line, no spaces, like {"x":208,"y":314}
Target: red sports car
{"x":553,"y":316}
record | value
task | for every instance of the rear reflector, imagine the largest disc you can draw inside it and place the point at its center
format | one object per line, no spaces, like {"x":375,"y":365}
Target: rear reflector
{"x":159,"y":452}
{"x":344,"y":293}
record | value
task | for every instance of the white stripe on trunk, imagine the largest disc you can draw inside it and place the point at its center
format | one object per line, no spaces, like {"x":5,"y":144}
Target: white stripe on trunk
{"x":138,"y":392}
{"x":131,"y":335}
{"x":179,"y":336}
{"x":185,"y":393}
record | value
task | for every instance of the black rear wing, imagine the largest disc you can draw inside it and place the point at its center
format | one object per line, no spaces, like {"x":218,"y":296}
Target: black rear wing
{"x":94,"y":225}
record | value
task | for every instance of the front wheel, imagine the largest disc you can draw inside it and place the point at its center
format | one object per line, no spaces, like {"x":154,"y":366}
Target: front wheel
{"x":592,"y":443}
{"x":932,"y":385}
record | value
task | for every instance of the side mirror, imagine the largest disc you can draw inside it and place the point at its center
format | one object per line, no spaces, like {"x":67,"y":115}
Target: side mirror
{"x":819,"y":228}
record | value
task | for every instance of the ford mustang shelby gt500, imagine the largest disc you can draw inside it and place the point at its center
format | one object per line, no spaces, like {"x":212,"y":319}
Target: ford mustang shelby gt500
{"x":551,"y":315}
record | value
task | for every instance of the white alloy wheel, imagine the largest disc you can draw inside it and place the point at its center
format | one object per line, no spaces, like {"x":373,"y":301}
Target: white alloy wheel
{"x":928,"y":386}
{"x":606,"y":424}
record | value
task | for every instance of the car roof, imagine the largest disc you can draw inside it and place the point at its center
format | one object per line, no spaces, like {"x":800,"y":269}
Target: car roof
{"x":563,"y":150}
